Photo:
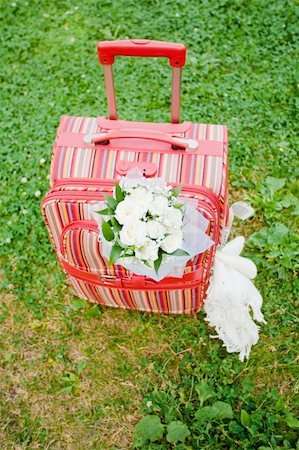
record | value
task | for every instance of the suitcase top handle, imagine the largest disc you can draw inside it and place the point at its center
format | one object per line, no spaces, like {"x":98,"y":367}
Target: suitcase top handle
{"x":176,"y":53}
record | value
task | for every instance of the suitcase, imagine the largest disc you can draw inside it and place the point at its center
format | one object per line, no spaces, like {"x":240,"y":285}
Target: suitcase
{"x":92,"y":153}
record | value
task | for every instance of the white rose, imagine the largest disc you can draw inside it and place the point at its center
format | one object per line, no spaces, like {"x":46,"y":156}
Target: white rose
{"x":141,"y":197}
{"x":148,"y":252}
{"x":172,"y":218}
{"x":155,"y":229}
{"x":127,"y":211}
{"x":158,"y":205}
{"x":172,"y":242}
{"x":162,"y":190}
{"x":133,"y":233}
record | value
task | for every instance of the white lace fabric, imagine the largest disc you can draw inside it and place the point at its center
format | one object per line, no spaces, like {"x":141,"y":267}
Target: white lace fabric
{"x":233,"y":303}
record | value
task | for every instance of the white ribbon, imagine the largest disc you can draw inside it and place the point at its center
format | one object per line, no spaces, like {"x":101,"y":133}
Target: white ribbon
{"x":232,"y":297}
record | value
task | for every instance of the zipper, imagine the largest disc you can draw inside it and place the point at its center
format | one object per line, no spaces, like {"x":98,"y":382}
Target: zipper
{"x":71,"y":194}
{"x":87,"y":182}
{"x":101,"y":182}
{"x":82,"y":182}
{"x":56,"y":193}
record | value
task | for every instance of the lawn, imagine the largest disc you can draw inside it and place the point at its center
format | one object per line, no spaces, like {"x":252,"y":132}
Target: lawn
{"x":76,"y":376}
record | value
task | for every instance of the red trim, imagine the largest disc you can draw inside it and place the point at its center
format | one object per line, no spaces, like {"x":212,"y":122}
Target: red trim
{"x":136,"y":283}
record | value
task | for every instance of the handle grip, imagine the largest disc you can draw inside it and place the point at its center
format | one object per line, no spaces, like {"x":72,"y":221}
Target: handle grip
{"x":176,"y":53}
{"x":134,"y":134}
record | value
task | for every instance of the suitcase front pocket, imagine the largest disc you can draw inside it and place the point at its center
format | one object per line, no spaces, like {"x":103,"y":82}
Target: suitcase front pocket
{"x":74,"y":234}
{"x":92,"y":279}
{"x":80,"y":255}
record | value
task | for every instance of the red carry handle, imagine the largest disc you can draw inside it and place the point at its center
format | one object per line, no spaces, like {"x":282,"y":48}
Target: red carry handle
{"x":138,"y":134}
{"x":176,"y":53}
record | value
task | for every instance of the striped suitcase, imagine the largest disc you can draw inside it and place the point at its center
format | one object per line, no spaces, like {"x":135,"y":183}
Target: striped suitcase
{"x":90,"y":154}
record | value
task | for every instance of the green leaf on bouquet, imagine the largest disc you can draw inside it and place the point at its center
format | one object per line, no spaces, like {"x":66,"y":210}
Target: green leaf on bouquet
{"x":112,"y":202}
{"x":115,"y":254}
{"x":157,"y":262}
{"x":119,"y":193}
{"x":179,"y":252}
{"x":178,"y":205}
{"x":107,"y":231}
{"x":146,"y":263}
{"x":127,"y":255}
{"x":119,"y":242}
{"x":104,"y":212}
{"x":177,"y":190}
{"x":116,"y":224}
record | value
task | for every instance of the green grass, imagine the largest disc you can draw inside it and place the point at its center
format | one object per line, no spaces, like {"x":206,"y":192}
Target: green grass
{"x":75,"y":376}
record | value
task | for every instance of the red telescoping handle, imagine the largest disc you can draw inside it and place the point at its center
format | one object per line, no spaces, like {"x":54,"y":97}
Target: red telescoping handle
{"x":176,"y":53}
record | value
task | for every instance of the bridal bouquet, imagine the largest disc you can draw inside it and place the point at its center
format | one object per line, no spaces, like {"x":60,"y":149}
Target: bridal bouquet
{"x":146,"y":228}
